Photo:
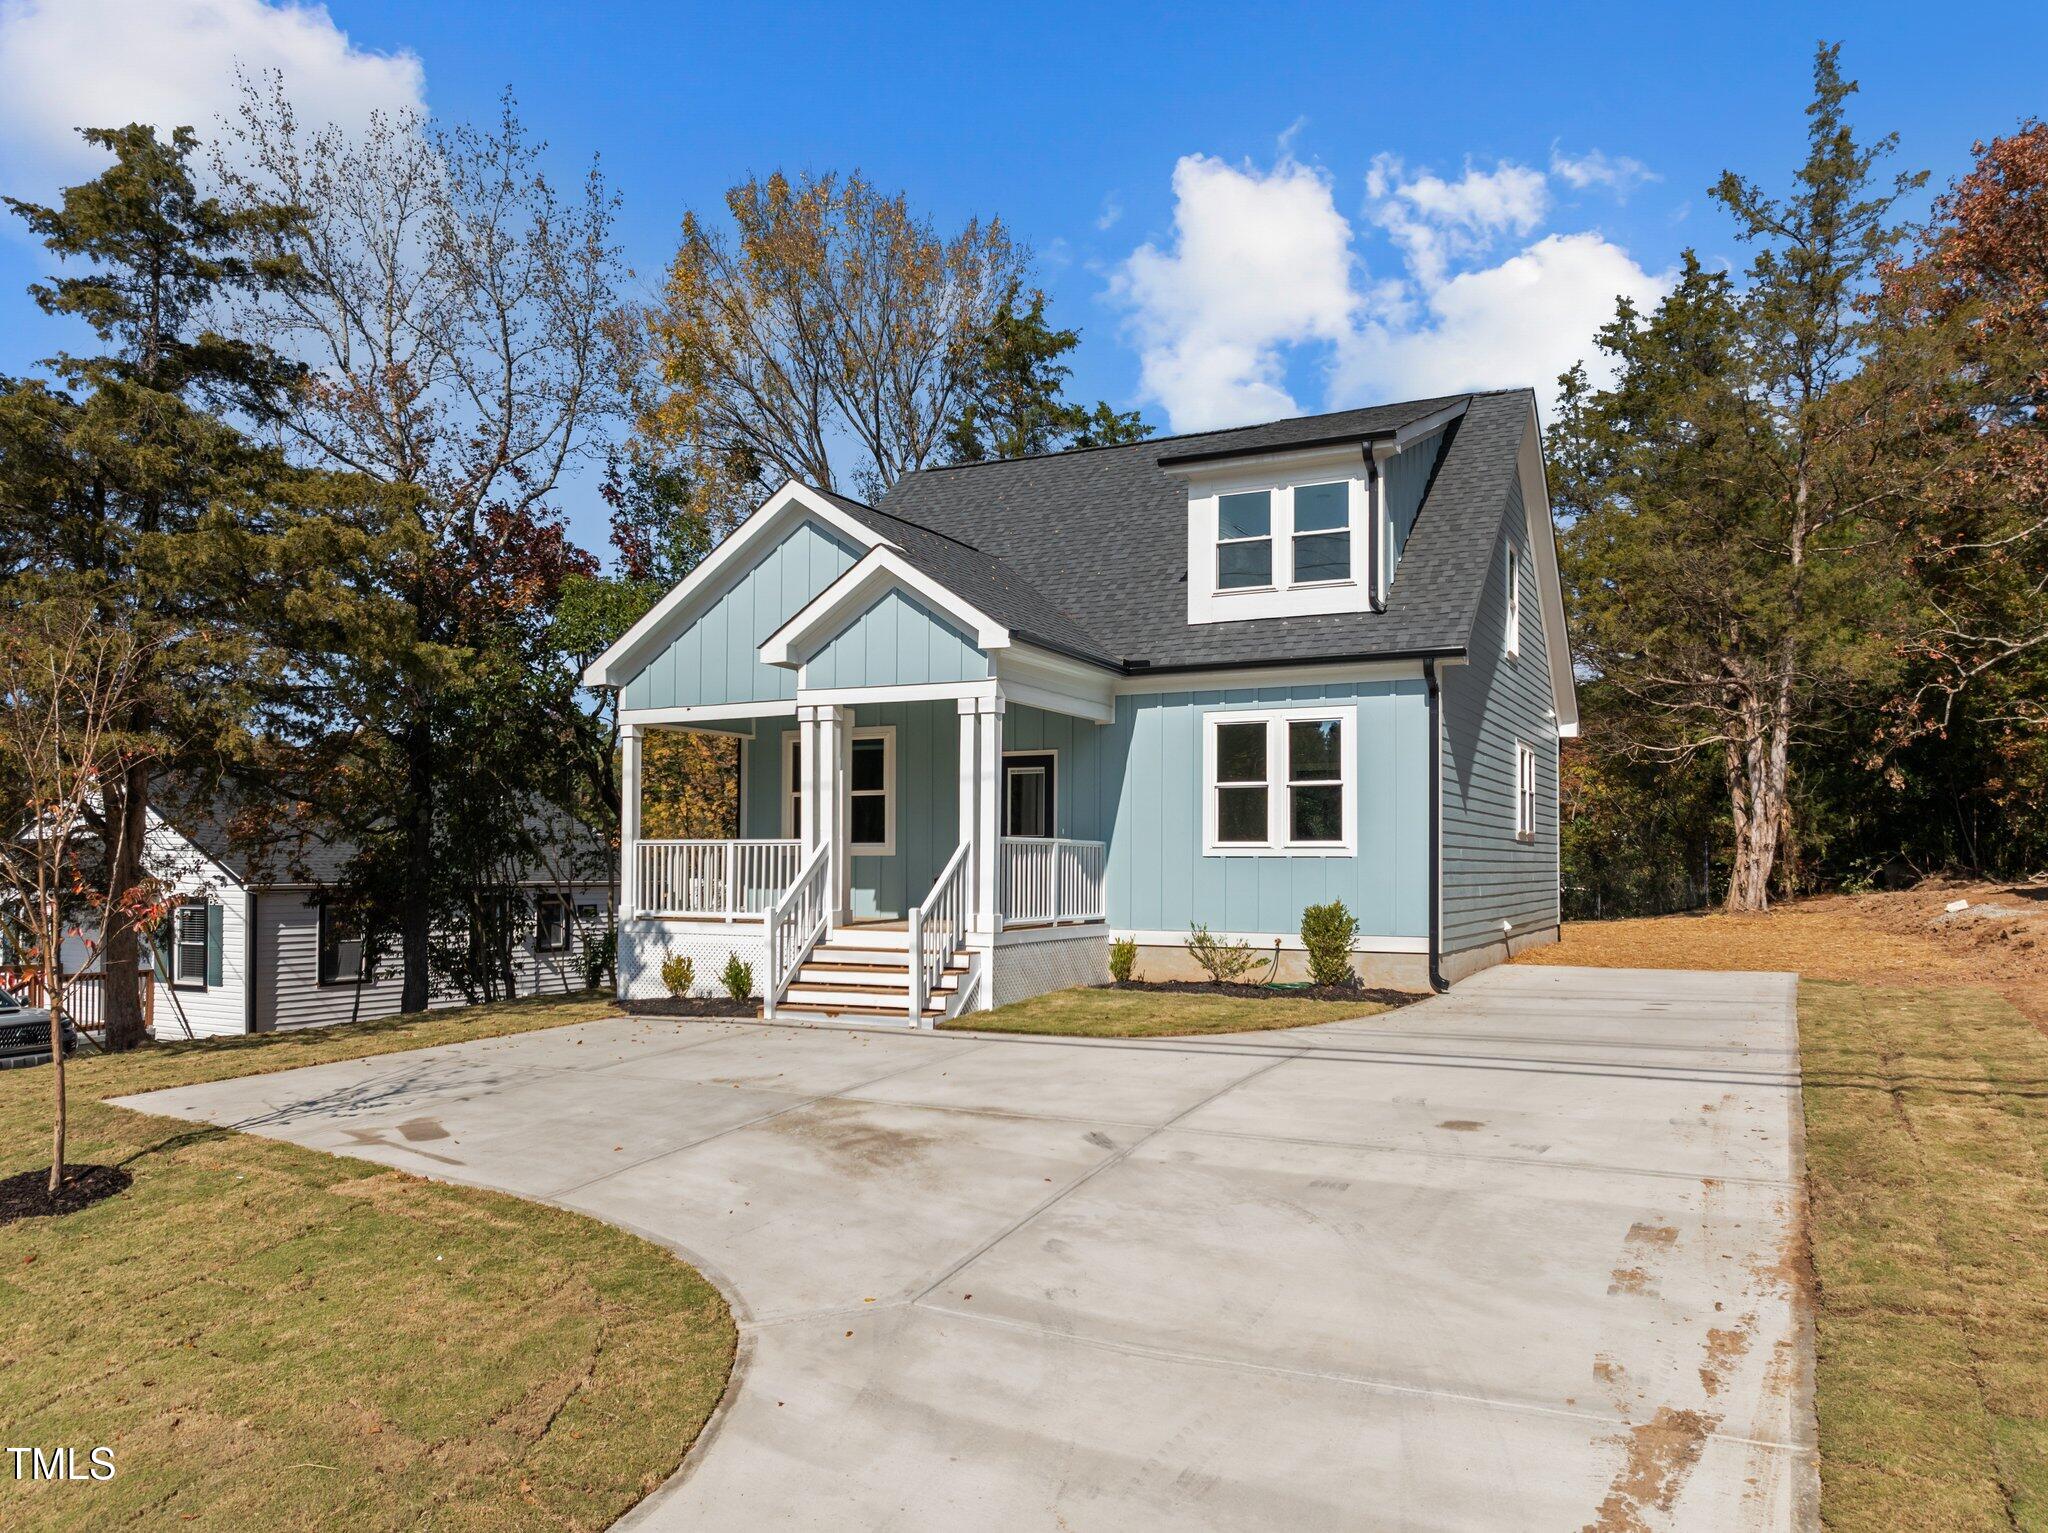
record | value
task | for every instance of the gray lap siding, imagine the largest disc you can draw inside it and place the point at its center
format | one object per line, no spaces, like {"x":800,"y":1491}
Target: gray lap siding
{"x":1488,"y":875}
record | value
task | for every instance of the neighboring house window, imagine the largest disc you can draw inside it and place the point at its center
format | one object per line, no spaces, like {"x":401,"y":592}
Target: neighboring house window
{"x":1244,"y":541}
{"x":1280,"y":781}
{"x":341,"y":948}
{"x":551,"y":924}
{"x":1514,"y":623}
{"x":1525,"y":792}
{"x":188,"y":946}
{"x":870,"y":790}
{"x":1322,"y":533}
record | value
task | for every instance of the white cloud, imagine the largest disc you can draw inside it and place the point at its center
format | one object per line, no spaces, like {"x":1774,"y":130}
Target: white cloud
{"x":1112,"y":211}
{"x":1260,"y":260}
{"x":1618,"y":173}
{"x":66,"y":64}
{"x":1262,"y":272}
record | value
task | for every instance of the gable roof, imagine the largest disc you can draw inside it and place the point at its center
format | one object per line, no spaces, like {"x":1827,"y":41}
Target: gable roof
{"x":1100,"y":536}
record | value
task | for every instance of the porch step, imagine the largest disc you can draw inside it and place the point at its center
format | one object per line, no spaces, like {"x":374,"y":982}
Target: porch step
{"x":787,"y":1012}
{"x":865,"y":1002}
{"x":862,"y":976}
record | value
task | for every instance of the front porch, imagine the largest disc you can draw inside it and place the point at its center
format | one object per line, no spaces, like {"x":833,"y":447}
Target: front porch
{"x":898,"y":858}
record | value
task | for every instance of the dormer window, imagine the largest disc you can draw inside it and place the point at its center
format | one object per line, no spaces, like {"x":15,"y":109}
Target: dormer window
{"x":1244,"y":541}
{"x":1322,"y":533}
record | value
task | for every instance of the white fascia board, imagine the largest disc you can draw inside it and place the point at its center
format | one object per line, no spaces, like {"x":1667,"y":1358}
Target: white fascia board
{"x":913,"y":692}
{"x":1549,"y":585}
{"x":882,"y":569}
{"x":1271,"y":676}
{"x":1429,"y":425}
{"x":707,"y":580}
{"x":1039,"y":678}
{"x":693,"y":713}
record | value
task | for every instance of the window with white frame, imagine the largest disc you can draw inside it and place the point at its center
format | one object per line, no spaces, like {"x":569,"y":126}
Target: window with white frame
{"x":1281,"y":539}
{"x":1322,"y":533}
{"x":1514,"y":602}
{"x":1525,"y":792}
{"x":551,"y":923}
{"x":870,"y":789}
{"x":1244,"y":541}
{"x":1280,"y":781}
{"x":188,"y":946}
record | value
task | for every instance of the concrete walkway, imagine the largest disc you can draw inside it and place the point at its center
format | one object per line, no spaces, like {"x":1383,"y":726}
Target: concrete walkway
{"x":1521,"y":1256}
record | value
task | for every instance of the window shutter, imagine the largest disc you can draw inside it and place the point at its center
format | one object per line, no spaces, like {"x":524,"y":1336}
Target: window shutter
{"x":214,"y":917}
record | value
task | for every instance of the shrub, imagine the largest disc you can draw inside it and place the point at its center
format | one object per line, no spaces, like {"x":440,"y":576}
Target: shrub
{"x":1123,"y":959}
{"x":1226,"y":963}
{"x":738,"y":977}
{"x":599,"y":954}
{"x":1329,"y":932}
{"x":678,"y":974}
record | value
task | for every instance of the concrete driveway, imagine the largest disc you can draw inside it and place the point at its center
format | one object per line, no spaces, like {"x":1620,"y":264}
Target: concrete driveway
{"x":1521,"y":1256}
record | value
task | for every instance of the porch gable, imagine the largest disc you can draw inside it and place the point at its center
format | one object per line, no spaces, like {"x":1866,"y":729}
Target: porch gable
{"x":895,"y":641}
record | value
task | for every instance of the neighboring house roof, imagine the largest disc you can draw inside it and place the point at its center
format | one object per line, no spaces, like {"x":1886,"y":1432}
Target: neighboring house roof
{"x":1093,"y":543}
{"x":265,"y":856}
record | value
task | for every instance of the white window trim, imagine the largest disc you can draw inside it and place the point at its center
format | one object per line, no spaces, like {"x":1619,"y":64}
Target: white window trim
{"x":1278,"y":799}
{"x":1211,"y":602}
{"x":1512,"y":638}
{"x":1269,"y":537}
{"x":180,"y":975}
{"x":1525,"y":791}
{"x":886,"y":733}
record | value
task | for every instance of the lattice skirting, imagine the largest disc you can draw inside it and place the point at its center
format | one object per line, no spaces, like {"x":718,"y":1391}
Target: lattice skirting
{"x":645,"y":945}
{"x":1025,"y":969}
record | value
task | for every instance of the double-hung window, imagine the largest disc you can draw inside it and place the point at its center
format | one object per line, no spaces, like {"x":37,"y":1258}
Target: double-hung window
{"x":1322,"y":533}
{"x":870,"y":830}
{"x":188,"y":946}
{"x":341,"y":948}
{"x":1244,"y":541}
{"x":551,"y":924}
{"x":1525,"y":792}
{"x":1280,"y":781}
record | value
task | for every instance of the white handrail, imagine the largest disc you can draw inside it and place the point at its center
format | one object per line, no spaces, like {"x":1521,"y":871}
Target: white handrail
{"x":1052,"y":878}
{"x":795,"y":923}
{"x":721,"y":880}
{"x":937,"y":928}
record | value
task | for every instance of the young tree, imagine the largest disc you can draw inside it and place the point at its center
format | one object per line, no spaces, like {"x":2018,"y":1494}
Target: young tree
{"x":120,"y":482}
{"x":454,"y":321}
{"x":70,"y":688}
{"x":1728,"y":496}
{"x":837,"y":318}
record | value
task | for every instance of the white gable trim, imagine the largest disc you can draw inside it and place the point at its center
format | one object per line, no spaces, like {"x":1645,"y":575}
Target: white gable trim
{"x":1549,"y":586}
{"x":881,"y":571}
{"x":709,"y":580}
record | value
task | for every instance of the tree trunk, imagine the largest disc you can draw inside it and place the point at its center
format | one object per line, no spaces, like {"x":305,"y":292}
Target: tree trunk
{"x":127,"y":821}
{"x":415,"y":929}
{"x":1757,"y":760}
{"x":53,"y":982}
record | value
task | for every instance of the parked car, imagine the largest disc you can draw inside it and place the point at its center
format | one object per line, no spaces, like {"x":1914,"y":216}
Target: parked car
{"x":25,"y":1032}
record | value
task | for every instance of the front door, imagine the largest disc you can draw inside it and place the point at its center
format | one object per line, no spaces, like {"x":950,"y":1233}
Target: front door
{"x":1028,"y":794}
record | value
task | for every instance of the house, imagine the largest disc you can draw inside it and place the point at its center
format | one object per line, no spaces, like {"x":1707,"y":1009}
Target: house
{"x":1020,"y":708}
{"x":251,"y":946}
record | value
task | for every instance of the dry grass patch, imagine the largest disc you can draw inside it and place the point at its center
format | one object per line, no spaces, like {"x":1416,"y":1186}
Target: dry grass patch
{"x":1927,"y":1163}
{"x":272,"y":1337}
{"x":1099,"y":1013}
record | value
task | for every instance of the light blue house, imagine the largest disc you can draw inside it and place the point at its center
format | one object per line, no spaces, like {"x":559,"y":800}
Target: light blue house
{"x":1022,"y":707}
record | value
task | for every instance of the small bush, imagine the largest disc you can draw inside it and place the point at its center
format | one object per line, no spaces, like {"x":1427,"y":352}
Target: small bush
{"x":678,"y":974}
{"x":1226,"y":963}
{"x":599,"y":954}
{"x":738,"y":977}
{"x":1123,"y":959}
{"x":1329,"y":932}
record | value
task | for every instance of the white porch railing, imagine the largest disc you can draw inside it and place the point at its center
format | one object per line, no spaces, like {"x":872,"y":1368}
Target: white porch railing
{"x":719,"y":880}
{"x":795,"y":923}
{"x":1047,"y":878}
{"x":937,"y":928}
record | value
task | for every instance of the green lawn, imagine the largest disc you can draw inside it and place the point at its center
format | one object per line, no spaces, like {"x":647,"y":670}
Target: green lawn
{"x":1093,"y":1013}
{"x":272,"y":1337}
{"x":1927,"y":1153}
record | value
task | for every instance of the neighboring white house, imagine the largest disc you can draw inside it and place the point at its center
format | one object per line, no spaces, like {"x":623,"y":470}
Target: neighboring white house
{"x":250,"y":948}
{"x":1022,"y":707}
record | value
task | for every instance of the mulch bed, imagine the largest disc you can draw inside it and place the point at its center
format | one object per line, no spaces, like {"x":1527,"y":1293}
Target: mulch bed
{"x":1268,"y":992}
{"x":27,"y":1195}
{"x":694,"y":1006}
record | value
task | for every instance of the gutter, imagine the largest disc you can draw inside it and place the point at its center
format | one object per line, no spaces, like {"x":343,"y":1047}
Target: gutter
{"x":1437,"y":982}
{"x":1429,"y":657}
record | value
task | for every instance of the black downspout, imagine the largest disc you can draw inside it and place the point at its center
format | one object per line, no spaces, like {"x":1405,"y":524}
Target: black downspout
{"x":1437,"y":982}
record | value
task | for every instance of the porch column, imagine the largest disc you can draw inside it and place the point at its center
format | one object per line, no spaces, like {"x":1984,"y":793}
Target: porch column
{"x":807,"y":777}
{"x":988,"y":915}
{"x":629,"y":821}
{"x":969,"y":780}
{"x":833,"y":725}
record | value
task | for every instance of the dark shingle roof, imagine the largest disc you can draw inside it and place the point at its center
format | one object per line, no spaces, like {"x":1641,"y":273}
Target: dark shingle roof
{"x":1087,"y":551}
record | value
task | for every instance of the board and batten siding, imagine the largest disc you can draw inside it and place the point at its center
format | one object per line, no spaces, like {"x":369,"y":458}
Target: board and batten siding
{"x":1489,"y":703}
{"x":896,"y":642}
{"x":1148,"y":775}
{"x":287,"y":954}
{"x":715,"y":659}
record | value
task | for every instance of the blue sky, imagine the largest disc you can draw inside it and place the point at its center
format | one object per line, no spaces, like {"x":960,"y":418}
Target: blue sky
{"x":1247,"y":211}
